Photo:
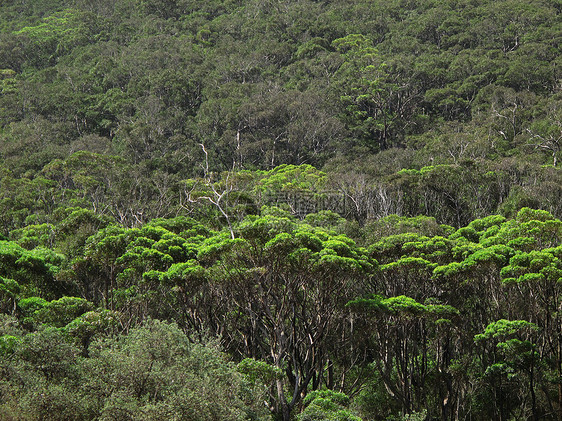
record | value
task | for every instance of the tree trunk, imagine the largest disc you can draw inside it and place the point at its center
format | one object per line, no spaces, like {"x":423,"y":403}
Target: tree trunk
{"x":282,"y":402}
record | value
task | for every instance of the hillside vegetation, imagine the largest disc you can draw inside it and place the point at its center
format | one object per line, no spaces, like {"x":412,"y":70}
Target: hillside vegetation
{"x":106,"y":104}
{"x":280,"y":209}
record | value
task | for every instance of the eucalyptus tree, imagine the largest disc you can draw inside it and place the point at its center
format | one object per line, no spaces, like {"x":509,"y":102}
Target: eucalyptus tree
{"x":277,"y":293}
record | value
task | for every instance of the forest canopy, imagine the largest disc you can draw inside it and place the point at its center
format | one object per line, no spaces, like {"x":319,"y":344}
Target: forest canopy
{"x":111,"y":103}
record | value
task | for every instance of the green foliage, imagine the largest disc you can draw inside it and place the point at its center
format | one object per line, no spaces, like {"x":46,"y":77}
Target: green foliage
{"x":34,"y":270}
{"x":362,"y":92}
{"x":9,"y":290}
{"x":155,"y":370}
{"x":51,"y":352}
{"x":59,"y":313}
{"x":33,"y":236}
{"x":326,"y":405}
{"x":92,"y":323}
{"x":28,"y":306}
{"x":291,"y":177}
{"x":8,"y":345}
{"x":504,"y":328}
{"x":394,"y":225}
{"x":255,"y":370}
{"x":183,"y":226}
